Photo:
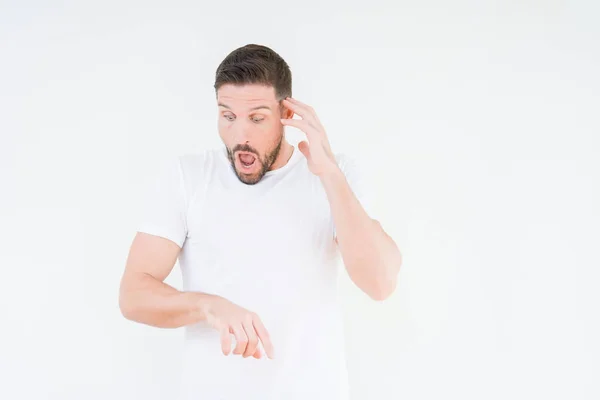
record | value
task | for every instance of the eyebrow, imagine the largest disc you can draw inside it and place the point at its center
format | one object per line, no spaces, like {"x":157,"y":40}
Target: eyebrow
{"x":252,"y":109}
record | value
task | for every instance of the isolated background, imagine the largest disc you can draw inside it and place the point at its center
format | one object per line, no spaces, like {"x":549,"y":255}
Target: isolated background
{"x":477,"y":121}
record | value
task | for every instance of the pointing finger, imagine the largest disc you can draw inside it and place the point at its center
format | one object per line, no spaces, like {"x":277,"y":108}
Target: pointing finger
{"x":264,"y":336}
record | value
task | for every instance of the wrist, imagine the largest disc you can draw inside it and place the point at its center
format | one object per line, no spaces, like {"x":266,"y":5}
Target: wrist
{"x":202,"y":304}
{"x":332,"y":178}
{"x":331,"y":174}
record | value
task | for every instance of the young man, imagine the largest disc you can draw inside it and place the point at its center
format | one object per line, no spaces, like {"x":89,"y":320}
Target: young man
{"x":257,"y":227}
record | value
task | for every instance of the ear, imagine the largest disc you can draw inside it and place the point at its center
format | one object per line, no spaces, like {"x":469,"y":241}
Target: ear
{"x":286,"y":112}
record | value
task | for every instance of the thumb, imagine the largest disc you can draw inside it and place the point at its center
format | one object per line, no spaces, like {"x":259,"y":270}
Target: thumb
{"x":303,"y":147}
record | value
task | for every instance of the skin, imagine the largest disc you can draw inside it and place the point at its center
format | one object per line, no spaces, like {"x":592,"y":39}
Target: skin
{"x":246,"y":130}
{"x":370,"y":256}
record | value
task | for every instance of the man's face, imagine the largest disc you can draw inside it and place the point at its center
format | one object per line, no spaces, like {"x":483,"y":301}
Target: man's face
{"x":250,"y":127}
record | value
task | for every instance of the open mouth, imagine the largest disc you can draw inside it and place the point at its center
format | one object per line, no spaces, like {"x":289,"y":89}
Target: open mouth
{"x":247,"y":160}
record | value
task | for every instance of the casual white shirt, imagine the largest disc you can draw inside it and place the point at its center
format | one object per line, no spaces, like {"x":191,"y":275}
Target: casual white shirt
{"x":269,"y":248}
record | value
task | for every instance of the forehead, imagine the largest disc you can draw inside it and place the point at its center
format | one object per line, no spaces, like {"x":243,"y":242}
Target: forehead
{"x":246,"y":96}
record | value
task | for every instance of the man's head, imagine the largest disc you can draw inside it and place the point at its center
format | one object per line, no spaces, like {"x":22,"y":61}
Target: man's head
{"x":250,"y":84}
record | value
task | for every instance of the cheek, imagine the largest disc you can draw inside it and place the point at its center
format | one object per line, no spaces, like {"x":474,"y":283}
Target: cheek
{"x":224,"y":129}
{"x":270,"y":136}
{"x":223,"y":124}
{"x":270,"y":131}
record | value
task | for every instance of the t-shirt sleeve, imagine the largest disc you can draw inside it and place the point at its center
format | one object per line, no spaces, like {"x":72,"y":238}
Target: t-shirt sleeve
{"x":163,"y":205}
{"x":358,"y":183}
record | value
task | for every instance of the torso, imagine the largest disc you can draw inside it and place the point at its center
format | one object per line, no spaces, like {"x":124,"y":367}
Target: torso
{"x":269,"y":248}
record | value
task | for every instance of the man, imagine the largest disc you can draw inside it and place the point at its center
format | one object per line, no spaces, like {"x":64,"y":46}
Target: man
{"x":257,"y":228}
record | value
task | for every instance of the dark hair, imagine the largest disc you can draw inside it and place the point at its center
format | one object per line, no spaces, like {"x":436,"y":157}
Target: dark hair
{"x":255,"y":64}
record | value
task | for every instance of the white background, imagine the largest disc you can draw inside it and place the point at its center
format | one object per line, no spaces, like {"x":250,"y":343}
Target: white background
{"x":477,"y":121}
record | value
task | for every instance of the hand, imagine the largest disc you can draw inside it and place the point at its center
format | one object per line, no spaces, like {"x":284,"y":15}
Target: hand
{"x":317,"y":150}
{"x":229,"y":318}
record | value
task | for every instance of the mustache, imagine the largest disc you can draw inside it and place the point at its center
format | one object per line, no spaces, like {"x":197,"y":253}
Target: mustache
{"x":244,"y":147}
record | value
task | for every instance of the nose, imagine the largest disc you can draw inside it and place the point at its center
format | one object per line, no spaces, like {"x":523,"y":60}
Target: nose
{"x":242,"y":134}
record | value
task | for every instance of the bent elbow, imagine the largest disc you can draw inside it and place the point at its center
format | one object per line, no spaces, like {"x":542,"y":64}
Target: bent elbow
{"x":127,"y":307}
{"x":383,"y":290}
{"x":385,"y":284}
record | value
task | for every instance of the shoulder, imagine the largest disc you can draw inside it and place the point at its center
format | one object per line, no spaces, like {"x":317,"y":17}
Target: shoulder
{"x":195,"y":169}
{"x":198,"y":164}
{"x":353,"y":169}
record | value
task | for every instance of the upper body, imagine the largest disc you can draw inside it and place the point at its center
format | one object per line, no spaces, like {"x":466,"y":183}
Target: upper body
{"x":258,"y":228}
{"x":269,"y":248}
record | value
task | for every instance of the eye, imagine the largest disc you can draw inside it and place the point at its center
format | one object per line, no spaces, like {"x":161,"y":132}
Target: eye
{"x":257,"y":119}
{"x":228,"y":117}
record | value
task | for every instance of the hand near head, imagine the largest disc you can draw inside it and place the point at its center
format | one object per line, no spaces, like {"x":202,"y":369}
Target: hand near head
{"x":317,"y":149}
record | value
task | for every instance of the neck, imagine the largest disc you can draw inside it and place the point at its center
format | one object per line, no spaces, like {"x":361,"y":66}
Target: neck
{"x":284,"y":155}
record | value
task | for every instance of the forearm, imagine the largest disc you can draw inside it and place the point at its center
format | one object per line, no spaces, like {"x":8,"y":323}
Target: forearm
{"x":147,"y":300}
{"x":370,"y":256}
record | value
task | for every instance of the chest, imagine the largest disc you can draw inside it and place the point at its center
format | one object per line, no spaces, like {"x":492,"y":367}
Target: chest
{"x":282,"y":219}
{"x":278,"y":241}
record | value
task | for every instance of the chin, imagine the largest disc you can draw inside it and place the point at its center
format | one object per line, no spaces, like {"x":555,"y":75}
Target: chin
{"x":249,"y":179}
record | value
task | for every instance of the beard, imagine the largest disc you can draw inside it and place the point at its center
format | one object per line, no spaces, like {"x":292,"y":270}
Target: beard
{"x":262,"y":164}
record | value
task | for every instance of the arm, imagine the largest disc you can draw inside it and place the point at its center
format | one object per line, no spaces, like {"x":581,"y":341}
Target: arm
{"x":145,"y":298}
{"x":370,"y":256}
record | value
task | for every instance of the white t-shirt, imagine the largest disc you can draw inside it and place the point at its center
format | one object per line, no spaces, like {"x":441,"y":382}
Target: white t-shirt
{"x":269,"y":248}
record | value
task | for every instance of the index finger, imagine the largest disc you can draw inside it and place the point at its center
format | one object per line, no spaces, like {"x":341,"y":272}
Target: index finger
{"x":299,"y":103}
{"x":264,"y":337}
{"x":225,"y":340}
{"x":303,"y":110}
